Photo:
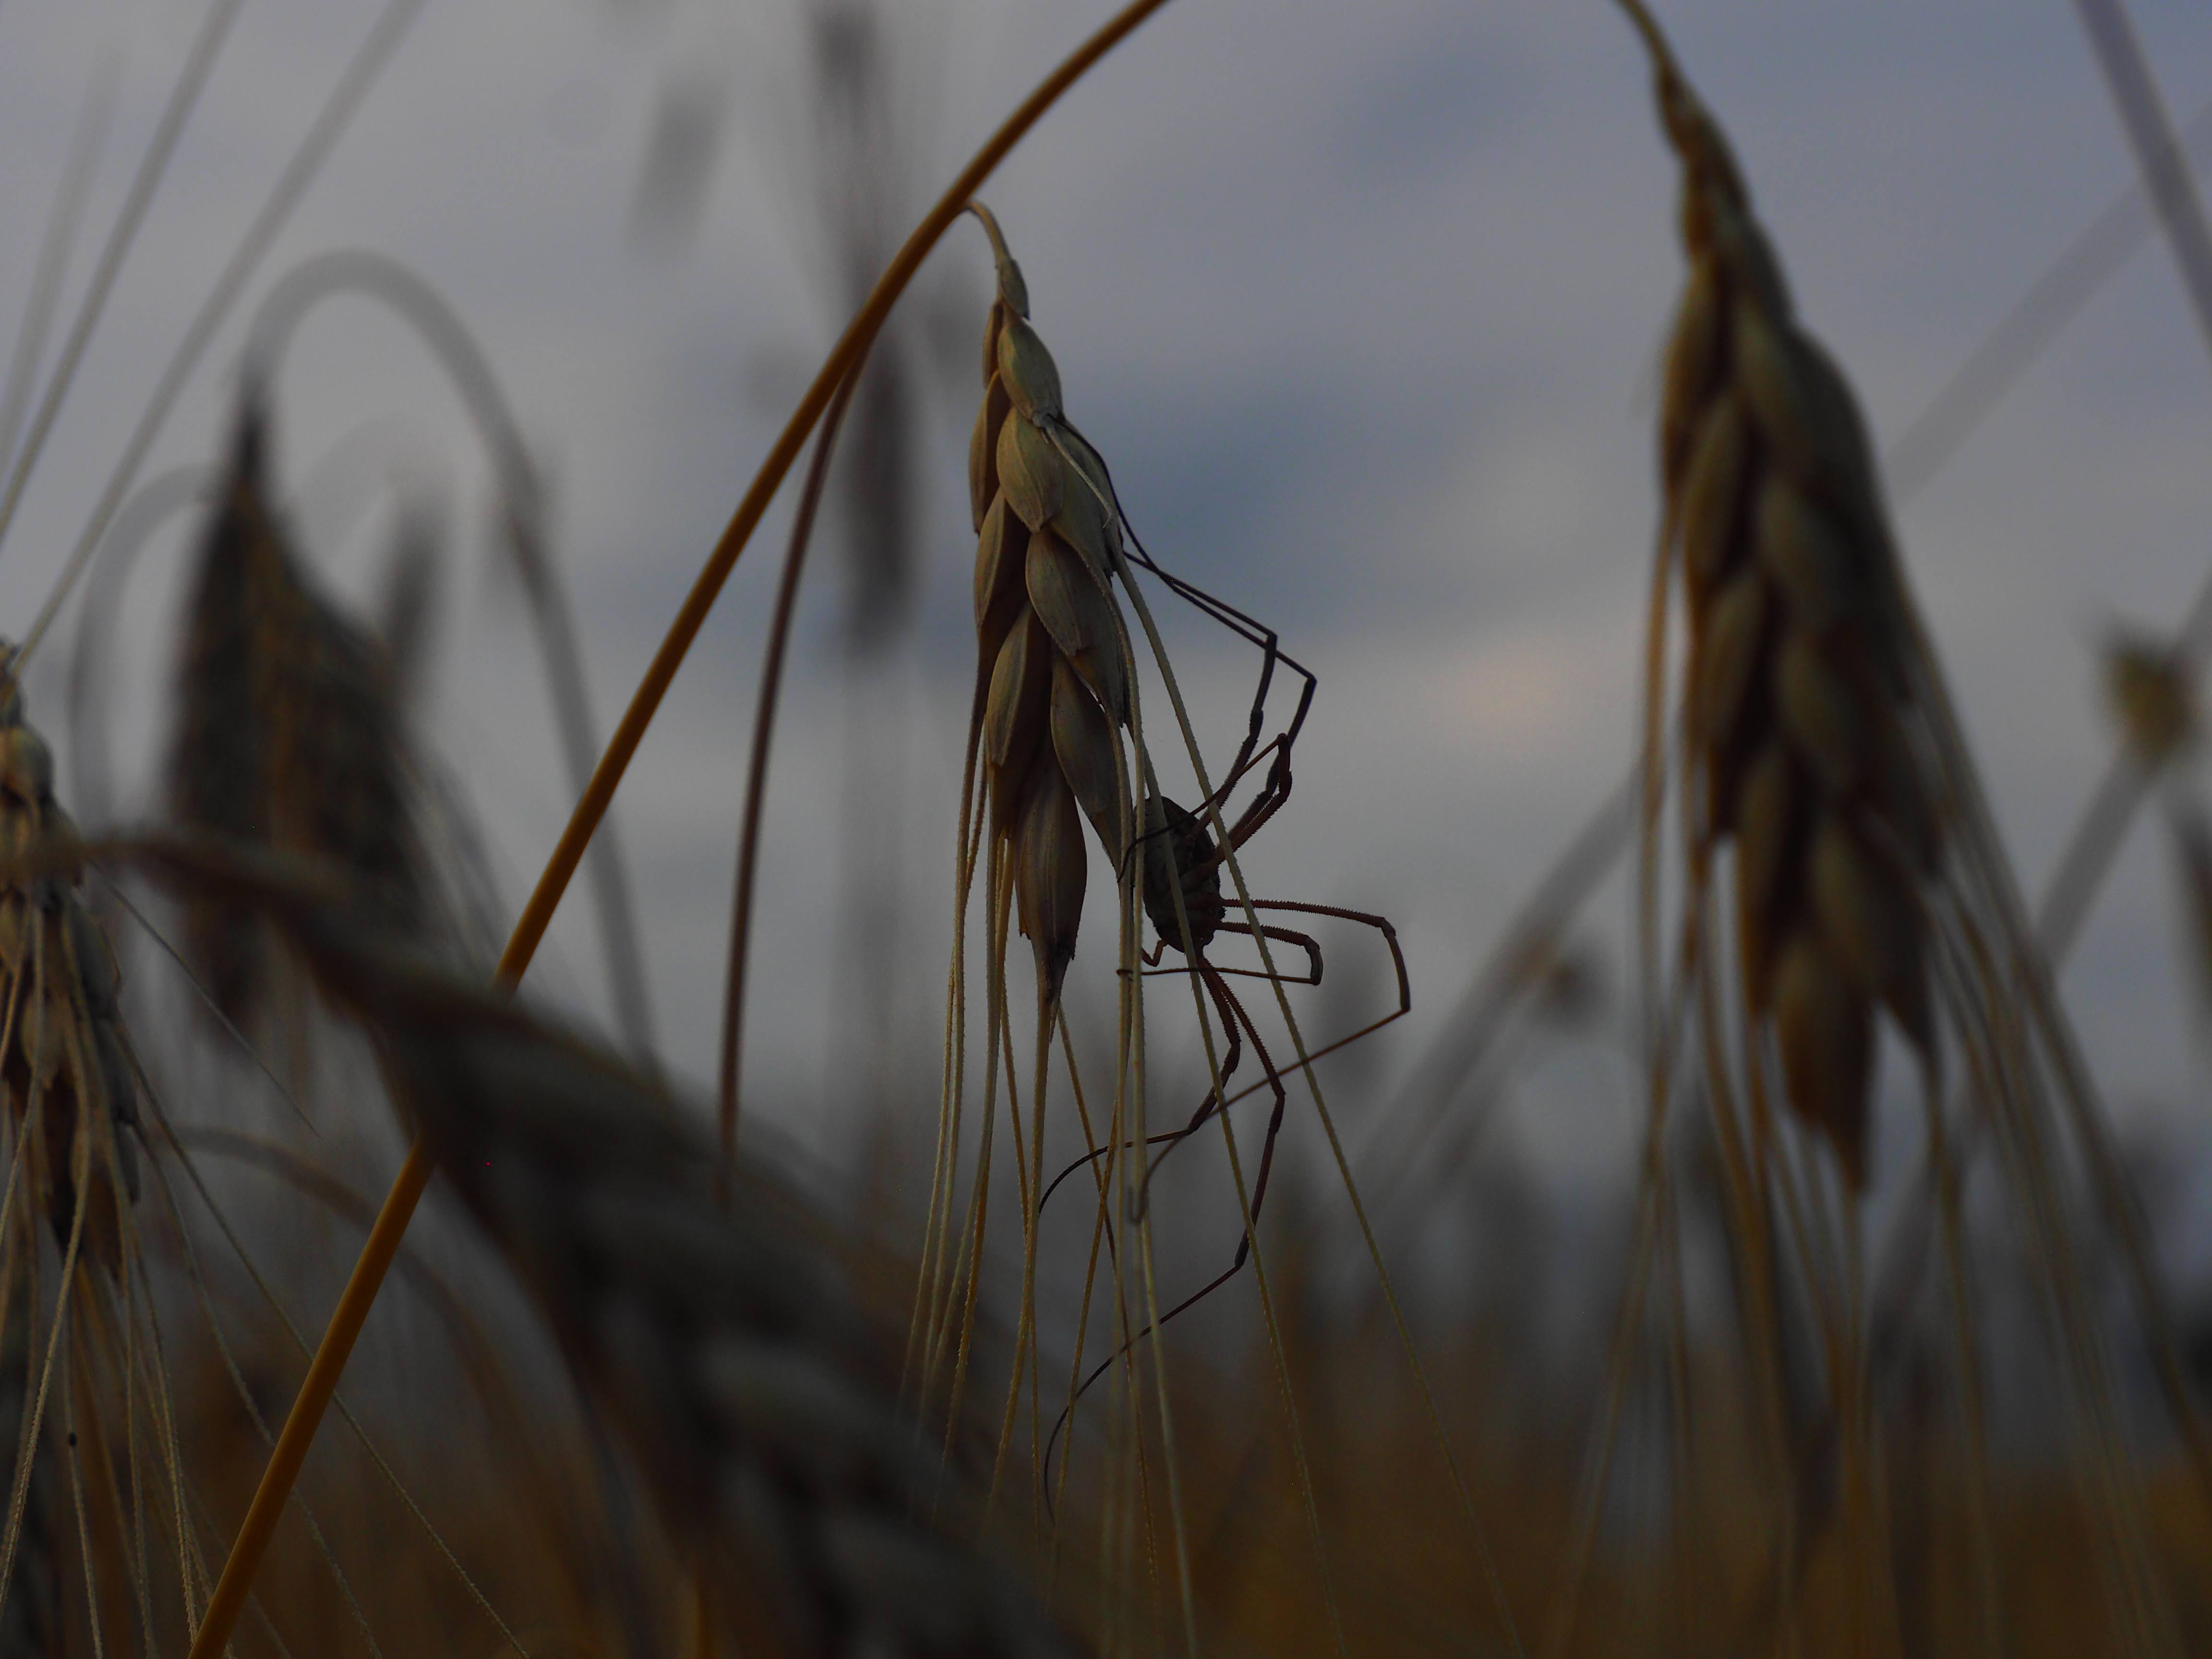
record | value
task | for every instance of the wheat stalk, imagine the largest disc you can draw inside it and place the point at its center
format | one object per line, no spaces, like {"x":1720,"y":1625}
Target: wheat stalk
{"x":30,"y":1622}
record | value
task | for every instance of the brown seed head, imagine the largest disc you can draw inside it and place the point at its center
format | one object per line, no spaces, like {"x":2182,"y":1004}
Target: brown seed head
{"x":1052,"y":664}
{"x":1799,"y":711}
{"x":63,"y":1053}
{"x":288,"y":731}
{"x":723,"y":1348}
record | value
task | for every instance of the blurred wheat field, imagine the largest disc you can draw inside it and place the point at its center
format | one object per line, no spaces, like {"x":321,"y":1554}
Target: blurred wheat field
{"x":1581,"y":912}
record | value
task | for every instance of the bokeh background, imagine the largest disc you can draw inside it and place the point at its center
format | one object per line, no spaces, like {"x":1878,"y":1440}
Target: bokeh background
{"x":1363,"y":305}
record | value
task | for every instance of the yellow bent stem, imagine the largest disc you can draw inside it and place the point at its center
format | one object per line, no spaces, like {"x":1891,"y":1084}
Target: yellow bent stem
{"x":377,"y":1254}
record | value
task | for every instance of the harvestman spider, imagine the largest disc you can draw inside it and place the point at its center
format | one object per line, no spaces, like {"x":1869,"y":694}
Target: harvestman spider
{"x":1178,"y":849}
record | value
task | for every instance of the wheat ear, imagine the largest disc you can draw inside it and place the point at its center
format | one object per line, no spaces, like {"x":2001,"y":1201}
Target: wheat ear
{"x":1798,"y":703}
{"x":1052,"y":653}
{"x":288,"y":729}
{"x":62,"y":1044}
{"x":724,"y":1350}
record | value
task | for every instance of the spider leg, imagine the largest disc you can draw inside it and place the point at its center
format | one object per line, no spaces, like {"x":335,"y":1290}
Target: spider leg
{"x":1205,"y":1107}
{"x":1365,"y":919}
{"x":1097,"y":1152}
{"x":1246,"y":627}
{"x":1274,"y":793}
{"x":1305,"y":942}
{"x":1222,"y":994}
{"x":1272,"y":1079}
{"x":1381,"y":926}
{"x":1241,"y":767}
{"x":1244,"y":1244}
{"x":1232,"y":1014}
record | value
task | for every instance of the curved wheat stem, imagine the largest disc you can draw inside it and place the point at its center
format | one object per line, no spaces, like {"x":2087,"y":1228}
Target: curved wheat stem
{"x":407,"y":1190}
{"x":522,"y":514}
{"x":732,"y":1048}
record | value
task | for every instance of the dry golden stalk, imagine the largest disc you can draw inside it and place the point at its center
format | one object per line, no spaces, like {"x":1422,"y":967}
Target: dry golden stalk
{"x":63,"y":1047}
{"x":2149,"y":687}
{"x":1053,"y":664}
{"x":30,"y":1622}
{"x":723,"y":1347}
{"x":1798,"y":703}
{"x":288,"y":729}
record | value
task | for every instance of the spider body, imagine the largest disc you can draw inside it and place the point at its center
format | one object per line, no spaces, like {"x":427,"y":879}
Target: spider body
{"x":1181,"y":870}
{"x":1179,"y":850}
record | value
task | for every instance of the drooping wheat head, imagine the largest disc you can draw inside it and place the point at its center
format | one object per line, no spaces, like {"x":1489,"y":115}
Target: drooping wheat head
{"x":288,"y":729}
{"x":1823,"y":755}
{"x":1053,"y":664}
{"x":1053,"y":703}
{"x":1798,"y":701}
{"x":723,"y":1346}
{"x":64,"y":1055}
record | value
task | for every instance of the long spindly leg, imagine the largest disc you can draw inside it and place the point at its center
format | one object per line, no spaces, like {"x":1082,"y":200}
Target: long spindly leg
{"x":1227,"y":615}
{"x":1281,"y":936}
{"x":1274,"y":1079}
{"x":1271,"y":1078}
{"x":1230,"y":1059}
{"x":1274,"y":794}
{"x":1234,"y":1015}
{"x":1381,"y":926}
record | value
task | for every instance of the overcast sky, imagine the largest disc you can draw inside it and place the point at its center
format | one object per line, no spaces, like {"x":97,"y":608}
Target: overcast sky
{"x":1361,"y":304}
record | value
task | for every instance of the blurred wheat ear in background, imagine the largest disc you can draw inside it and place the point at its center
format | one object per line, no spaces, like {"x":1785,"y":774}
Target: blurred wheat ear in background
{"x":288,"y":730}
